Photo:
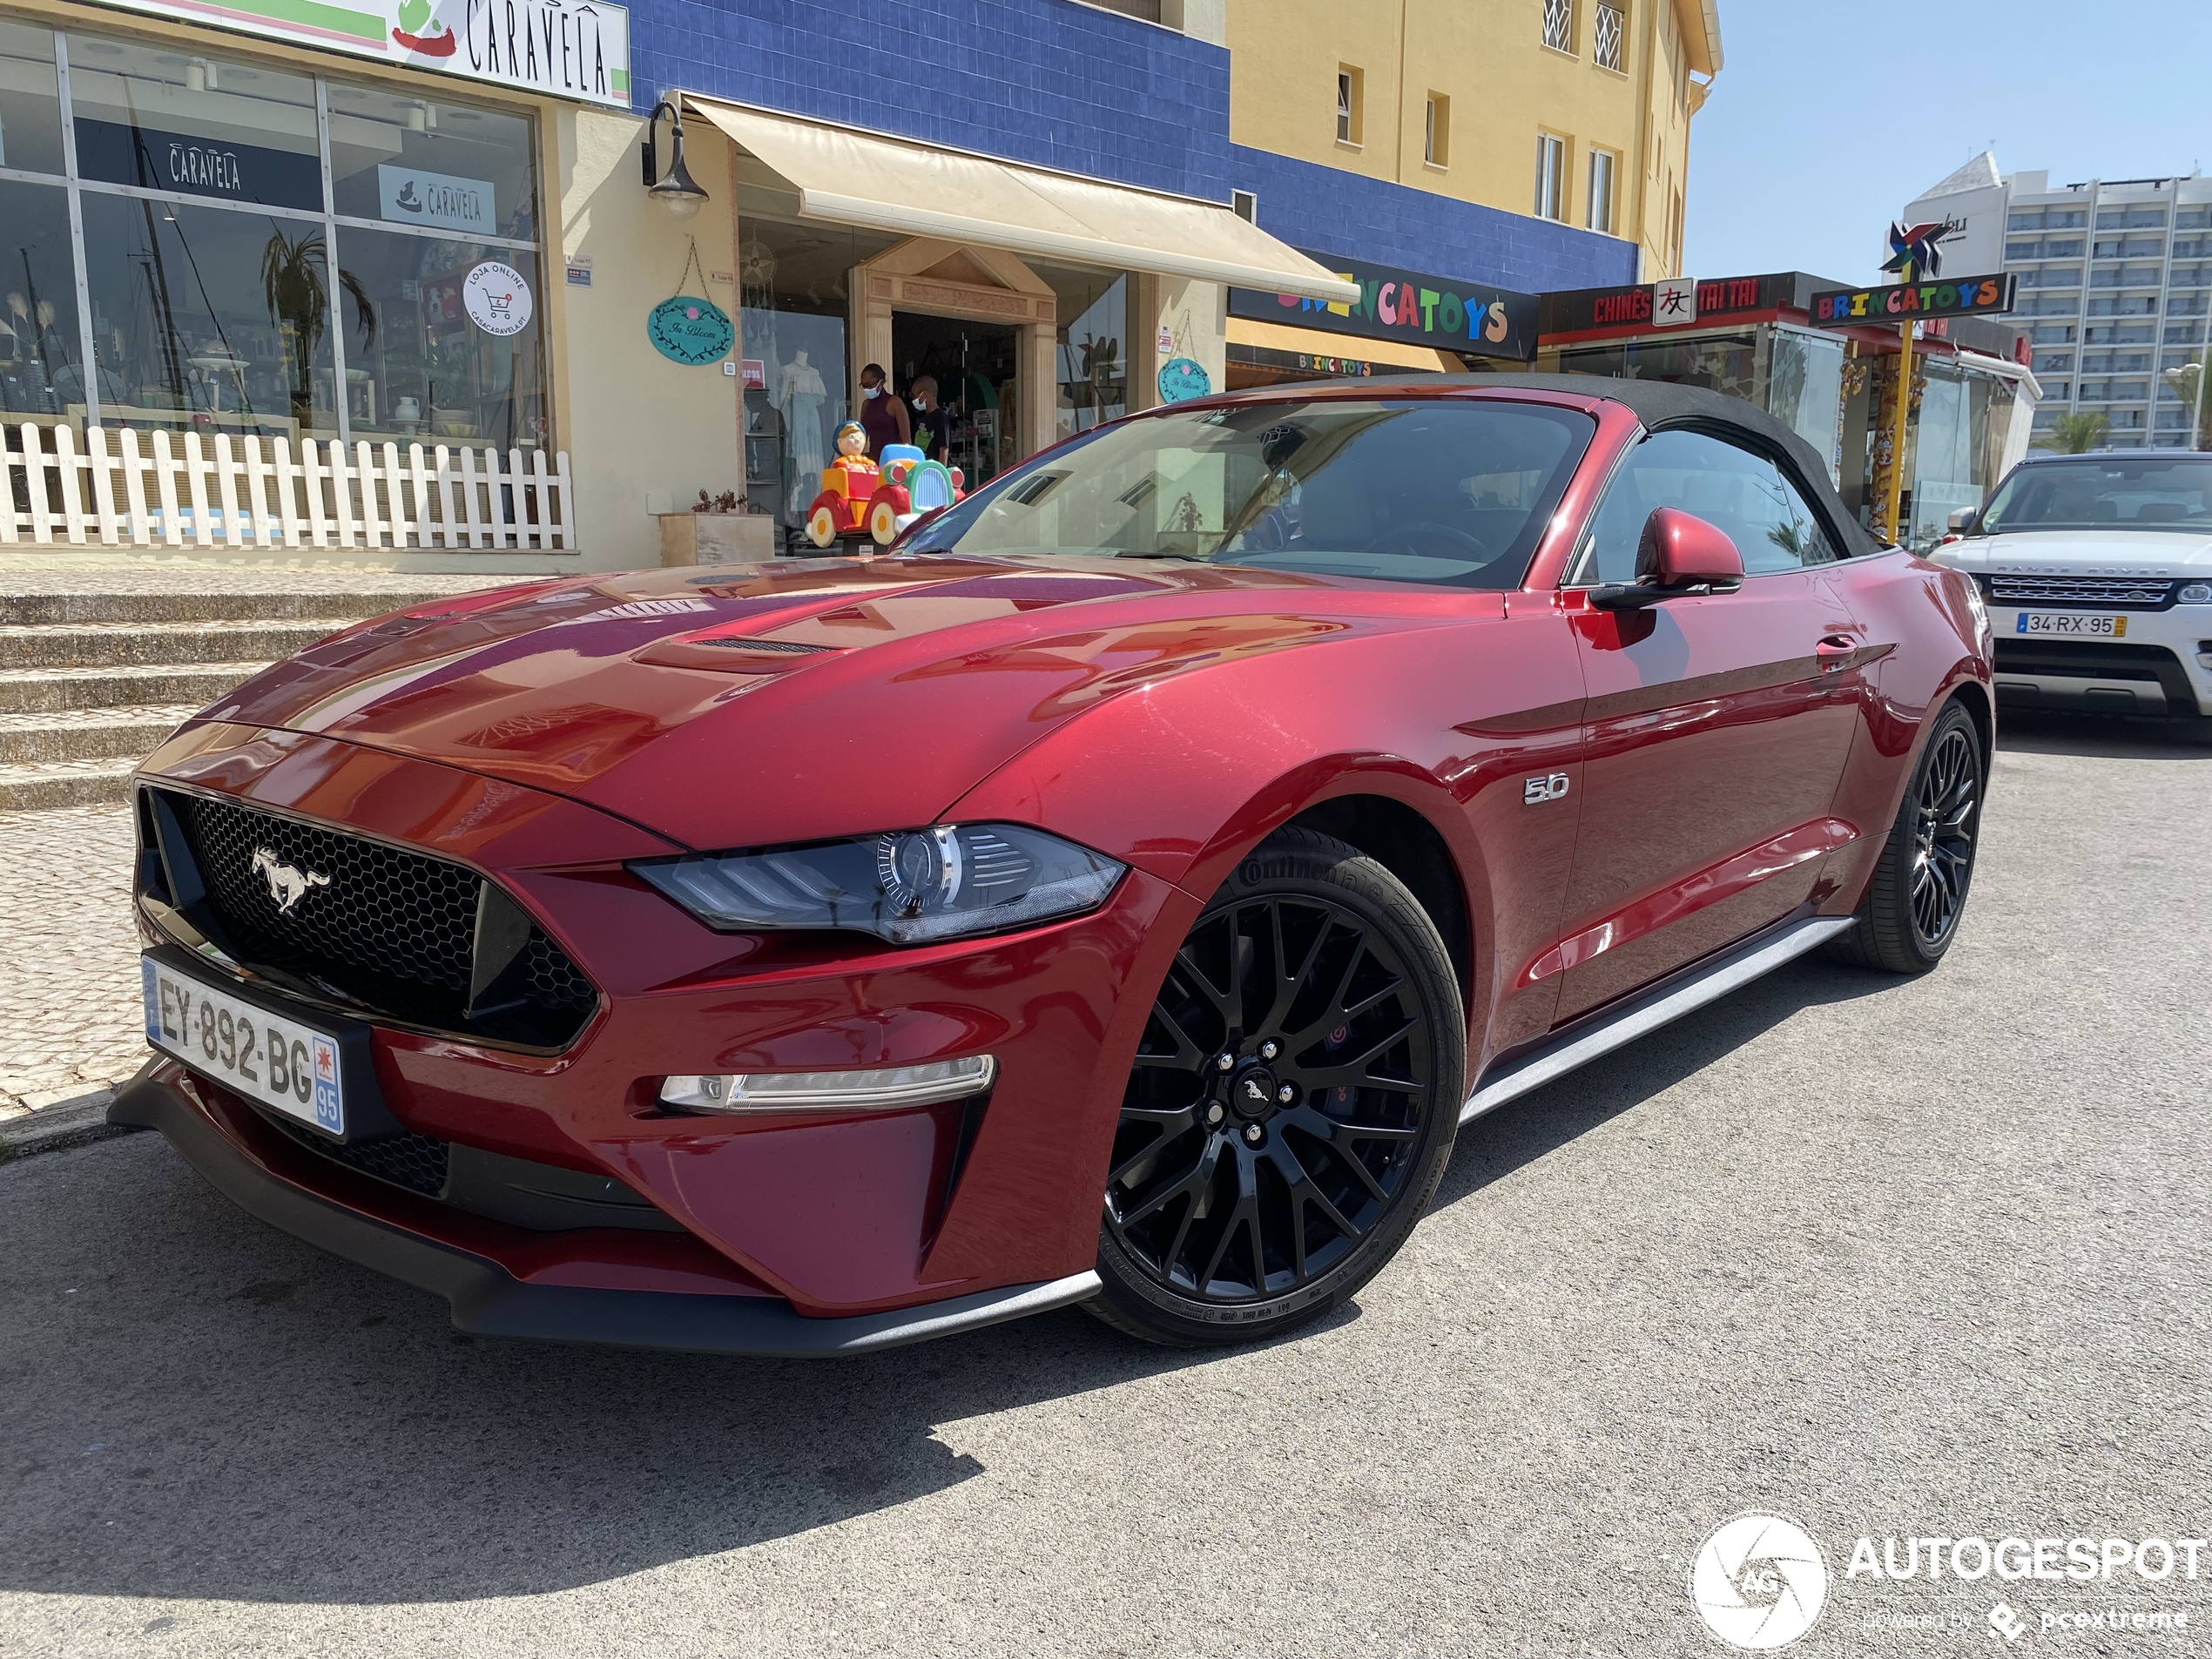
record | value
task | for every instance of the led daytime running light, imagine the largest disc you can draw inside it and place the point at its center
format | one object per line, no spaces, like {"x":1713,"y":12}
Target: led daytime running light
{"x":886,"y":1089}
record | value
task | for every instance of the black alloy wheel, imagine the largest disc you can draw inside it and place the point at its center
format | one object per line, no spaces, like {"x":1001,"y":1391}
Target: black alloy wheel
{"x":1291,"y":1104}
{"x":1912,"y":911}
{"x":1946,"y":814}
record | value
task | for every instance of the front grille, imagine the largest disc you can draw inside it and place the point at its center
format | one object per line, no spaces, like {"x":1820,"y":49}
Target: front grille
{"x":2122,"y":593}
{"x":387,"y":930}
{"x":406,"y":1159}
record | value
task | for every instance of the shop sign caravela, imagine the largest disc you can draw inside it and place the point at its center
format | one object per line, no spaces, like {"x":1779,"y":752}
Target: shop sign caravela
{"x":576,"y":49}
{"x":1410,"y":306}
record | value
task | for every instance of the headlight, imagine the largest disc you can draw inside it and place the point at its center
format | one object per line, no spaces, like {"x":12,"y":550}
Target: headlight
{"x":1975,"y":604}
{"x":910,"y":886}
{"x":2194,"y":593}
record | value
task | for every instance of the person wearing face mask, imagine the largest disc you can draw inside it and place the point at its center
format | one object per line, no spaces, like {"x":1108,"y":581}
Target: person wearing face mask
{"x":882,"y":416}
{"x":929,"y":418}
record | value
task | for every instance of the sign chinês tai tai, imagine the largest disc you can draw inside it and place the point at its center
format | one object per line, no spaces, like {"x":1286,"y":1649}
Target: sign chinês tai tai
{"x":575,"y":49}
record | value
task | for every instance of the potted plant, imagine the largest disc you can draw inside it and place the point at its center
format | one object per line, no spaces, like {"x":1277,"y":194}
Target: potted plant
{"x":718,"y":529}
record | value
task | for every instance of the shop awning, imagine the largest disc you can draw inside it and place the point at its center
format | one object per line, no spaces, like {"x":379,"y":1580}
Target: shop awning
{"x":916,"y":190}
{"x":1275,"y":336}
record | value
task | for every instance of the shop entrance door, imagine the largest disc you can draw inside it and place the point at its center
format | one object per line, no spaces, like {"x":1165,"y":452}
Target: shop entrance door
{"x":971,"y":371}
{"x":980,"y":315}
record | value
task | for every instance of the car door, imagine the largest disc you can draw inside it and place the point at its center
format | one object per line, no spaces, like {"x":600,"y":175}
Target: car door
{"x":1716,"y":728}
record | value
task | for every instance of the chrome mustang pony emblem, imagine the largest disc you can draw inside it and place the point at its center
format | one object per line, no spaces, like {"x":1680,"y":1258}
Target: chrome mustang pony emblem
{"x":287,"y":883}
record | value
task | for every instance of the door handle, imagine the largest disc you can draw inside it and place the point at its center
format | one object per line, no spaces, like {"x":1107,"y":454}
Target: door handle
{"x":1836,"y":651}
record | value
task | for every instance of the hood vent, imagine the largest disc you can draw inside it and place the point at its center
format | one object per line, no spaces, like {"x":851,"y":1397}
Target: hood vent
{"x":733,"y":654}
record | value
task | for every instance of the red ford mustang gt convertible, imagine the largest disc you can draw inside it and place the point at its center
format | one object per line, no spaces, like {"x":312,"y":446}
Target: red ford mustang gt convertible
{"x":1121,"y":892}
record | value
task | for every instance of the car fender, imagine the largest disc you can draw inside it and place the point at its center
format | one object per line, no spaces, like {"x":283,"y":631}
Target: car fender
{"x":1157,"y":779}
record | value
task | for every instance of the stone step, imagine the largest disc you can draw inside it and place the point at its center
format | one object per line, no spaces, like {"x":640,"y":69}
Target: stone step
{"x":45,"y":689}
{"x":109,"y":644}
{"x":130,"y":732}
{"x":66,"y":607}
{"x":64,"y":783}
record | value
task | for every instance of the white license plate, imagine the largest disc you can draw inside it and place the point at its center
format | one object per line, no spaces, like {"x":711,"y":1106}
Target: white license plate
{"x":264,"y":1056}
{"x":2071,"y":622}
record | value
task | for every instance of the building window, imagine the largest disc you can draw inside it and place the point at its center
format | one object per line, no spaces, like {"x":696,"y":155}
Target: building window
{"x":1436,"y":143}
{"x":1605,"y":42}
{"x":1349,"y":99}
{"x":1602,"y":164}
{"x":1245,"y":205}
{"x":1551,"y":176}
{"x":265,"y":252}
{"x":1559,"y":25}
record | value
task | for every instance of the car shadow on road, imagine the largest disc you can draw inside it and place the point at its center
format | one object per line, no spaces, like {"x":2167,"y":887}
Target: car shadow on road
{"x":195,"y":1406}
{"x":1524,"y":1130}
{"x":2103,"y":736}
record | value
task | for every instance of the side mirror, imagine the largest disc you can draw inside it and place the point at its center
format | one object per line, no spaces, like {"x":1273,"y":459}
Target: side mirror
{"x":1962,"y":520}
{"x":1679,"y":553}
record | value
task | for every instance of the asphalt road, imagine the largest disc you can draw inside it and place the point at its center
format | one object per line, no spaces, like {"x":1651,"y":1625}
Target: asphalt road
{"x":1892,"y":1257}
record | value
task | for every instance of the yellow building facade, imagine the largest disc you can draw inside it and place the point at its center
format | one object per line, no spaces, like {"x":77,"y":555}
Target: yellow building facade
{"x":1573,"y":110}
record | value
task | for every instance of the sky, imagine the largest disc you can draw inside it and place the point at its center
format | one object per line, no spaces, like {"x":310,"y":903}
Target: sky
{"x":1826,"y":120}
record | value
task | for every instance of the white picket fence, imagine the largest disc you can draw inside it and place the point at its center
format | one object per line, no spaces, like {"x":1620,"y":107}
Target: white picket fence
{"x":116,"y":489}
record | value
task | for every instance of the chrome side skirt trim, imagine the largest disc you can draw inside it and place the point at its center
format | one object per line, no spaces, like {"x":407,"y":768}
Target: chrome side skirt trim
{"x":1647,"y":1014}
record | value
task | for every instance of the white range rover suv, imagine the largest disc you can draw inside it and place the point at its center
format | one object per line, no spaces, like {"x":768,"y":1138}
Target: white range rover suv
{"x":2097,"y":570}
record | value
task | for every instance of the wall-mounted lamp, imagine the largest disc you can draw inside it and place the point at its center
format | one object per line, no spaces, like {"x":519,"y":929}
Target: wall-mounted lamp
{"x":418,"y":118}
{"x":678,"y":192}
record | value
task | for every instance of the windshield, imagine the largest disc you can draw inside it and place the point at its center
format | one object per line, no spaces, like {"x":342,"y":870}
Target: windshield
{"x":1452,"y":491}
{"x":2104,"y":494}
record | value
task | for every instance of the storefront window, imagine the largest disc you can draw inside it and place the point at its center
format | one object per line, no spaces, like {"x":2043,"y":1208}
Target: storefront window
{"x":425,"y":369}
{"x":210,"y":319}
{"x":791,"y":281}
{"x":1093,"y":352}
{"x":1726,"y":363}
{"x":30,"y":120}
{"x":230,"y":292}
{"x":199,"y":126}
{"x":1805,"y":390}
{"x":439,"y":166}
{"x":39,"y":338}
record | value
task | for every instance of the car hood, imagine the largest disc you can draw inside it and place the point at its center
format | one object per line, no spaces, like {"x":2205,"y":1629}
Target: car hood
{"x":2147,"y":553}
{"x":787,"y":702}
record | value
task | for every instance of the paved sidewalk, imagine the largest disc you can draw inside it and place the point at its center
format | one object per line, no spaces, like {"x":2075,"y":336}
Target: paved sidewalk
{"x":68,"y":959}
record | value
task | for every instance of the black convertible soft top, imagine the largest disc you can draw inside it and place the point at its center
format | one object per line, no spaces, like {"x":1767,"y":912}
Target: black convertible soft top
{"x":1661,"y":403}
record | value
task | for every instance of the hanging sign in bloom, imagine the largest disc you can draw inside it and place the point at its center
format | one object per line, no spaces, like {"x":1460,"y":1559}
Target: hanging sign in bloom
{"x":689,"y":330}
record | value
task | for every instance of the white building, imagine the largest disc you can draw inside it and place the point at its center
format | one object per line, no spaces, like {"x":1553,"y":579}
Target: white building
{"x":2114,"y":277}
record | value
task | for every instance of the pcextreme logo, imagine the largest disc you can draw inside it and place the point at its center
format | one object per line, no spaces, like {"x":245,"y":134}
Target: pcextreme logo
{"x":1760,"y":1582}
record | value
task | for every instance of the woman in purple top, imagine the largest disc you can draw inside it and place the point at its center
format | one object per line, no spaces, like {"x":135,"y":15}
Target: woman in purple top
{"x":882,"y":416}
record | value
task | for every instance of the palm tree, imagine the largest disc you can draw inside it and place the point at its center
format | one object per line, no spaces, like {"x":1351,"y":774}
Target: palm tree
{"x":299,"y":297}
{"x":2183,"y":381}
{"x":2074,"y":434}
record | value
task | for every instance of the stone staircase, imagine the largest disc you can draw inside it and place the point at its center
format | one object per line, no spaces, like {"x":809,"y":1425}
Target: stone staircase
{"x":92,"y":680}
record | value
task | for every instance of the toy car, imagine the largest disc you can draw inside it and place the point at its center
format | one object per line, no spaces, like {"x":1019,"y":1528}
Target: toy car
{"x":861,"y":497}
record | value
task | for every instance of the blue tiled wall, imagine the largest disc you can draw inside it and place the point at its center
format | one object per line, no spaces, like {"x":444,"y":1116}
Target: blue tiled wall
{"x":1042,"y":81}
{"x":1333,"y":212}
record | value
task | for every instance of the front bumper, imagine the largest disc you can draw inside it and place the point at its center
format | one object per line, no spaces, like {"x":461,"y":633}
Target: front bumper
{"x":835,"y":1216}
{"x":2163,"y":666}
{"x":489,"y":1301}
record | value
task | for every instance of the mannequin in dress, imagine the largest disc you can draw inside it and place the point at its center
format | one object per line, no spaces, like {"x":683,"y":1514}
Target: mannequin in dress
{"x":800,"y":395}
